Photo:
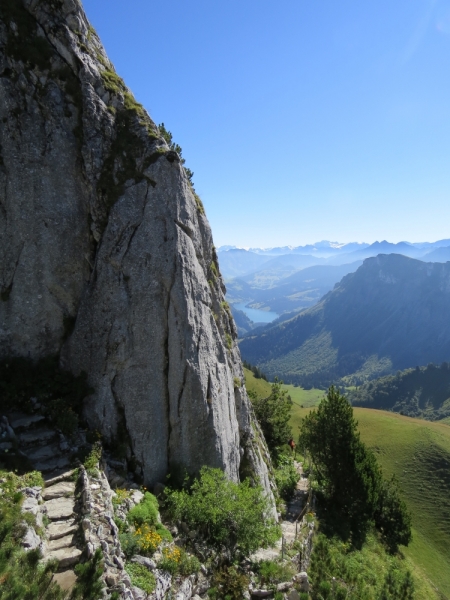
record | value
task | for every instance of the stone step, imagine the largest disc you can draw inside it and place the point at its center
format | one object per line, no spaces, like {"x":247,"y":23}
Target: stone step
{"x":66,"y":579}
{"x":58,"y":490}
{"x":59,"y":508}
{"x":62,"y":476}
{"x":67,"y":557}
{"x":41,"y":453}
{"x":23,"y":421}
{"x":34,"y":436}
{"x":57,"y":462}
{"x":62,"y":542}
{"x":59,"y":529}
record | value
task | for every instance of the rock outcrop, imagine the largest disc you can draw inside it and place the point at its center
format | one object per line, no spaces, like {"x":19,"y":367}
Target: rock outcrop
{"x":106,"y":255}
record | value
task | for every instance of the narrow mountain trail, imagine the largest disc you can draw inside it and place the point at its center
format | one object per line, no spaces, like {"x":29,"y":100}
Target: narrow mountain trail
{"x":290,"y":526}
{"x":55,"y":507}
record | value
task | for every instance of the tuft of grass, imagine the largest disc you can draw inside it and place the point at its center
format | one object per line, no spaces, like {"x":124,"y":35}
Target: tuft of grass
{"x":229,"y":341}
{"x":200,"y":207}
{"x":93,"y":458}
{"x":214,"y":269}
{"x":112,"y":82}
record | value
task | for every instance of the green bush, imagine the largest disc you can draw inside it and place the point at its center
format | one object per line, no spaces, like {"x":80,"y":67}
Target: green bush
{"x":141,"y":577}
{"x":226,"y":514}
{"x":163,"y":532}
{"x":129,"y":543}
{"x":137,"y":543}
{"x":178,"y":562}
{"x":144,"y":513}
{"x":167,"y":135}
{"x":228,"y":583}
{"x":286,"y":476}
{"x":367,"y":573}
{"x":272,"y":572}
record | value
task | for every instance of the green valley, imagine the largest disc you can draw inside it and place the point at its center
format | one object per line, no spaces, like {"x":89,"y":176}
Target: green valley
{"x":391,"y":314}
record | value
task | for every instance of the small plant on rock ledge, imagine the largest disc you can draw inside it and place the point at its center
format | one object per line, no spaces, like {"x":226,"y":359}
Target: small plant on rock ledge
{"x":229,"y":341}
{"x":141,"y":577}
{"x":178,"y":562}
{"x":93,"y":458}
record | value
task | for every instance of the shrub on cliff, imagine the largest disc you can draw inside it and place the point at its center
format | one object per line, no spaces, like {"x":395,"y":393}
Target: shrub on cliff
{"x":228,"y":515}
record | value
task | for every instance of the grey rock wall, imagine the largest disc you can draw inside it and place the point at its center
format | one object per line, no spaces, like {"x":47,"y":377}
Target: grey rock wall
{"x":106,"y":256}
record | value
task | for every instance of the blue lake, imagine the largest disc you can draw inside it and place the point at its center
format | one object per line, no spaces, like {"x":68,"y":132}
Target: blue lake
{"x":257,"y":316}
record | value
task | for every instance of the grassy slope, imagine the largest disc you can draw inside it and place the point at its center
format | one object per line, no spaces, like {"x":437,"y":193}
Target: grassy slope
{"x":306,"y":398}
{"x":260,"y":386}
{"x":299,"y":396}
{"x":418,"y":453}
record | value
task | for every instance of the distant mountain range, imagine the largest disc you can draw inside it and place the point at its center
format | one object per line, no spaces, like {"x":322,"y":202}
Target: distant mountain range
{"x":392,"y":313}
{"x":286,"y":280}
{"x":323,"y":248}
{"x":238,"y":262}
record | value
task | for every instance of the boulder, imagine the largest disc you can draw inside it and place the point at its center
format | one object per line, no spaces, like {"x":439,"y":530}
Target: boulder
{"x":185,"y":590}
{"x":31,"y":540}
{"x":144,"y":560}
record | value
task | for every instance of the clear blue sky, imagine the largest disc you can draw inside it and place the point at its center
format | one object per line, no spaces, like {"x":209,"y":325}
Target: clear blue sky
{"x":302,"y":120}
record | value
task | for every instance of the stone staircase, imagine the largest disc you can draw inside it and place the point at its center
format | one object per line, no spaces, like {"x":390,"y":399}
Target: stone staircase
{"x":74,"y":508}
{"x":63,"y":523}
{"x":55,"y":507}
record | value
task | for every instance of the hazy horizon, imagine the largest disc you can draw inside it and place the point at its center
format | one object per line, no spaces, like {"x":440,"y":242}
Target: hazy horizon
{"x":339,"y":243}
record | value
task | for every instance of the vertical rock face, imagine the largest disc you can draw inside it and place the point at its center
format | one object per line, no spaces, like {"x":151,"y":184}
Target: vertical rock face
{"x":106,"y":256}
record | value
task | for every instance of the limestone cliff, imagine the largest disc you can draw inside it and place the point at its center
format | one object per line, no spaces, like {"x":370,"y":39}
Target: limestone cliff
{"x":106,"y":256}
